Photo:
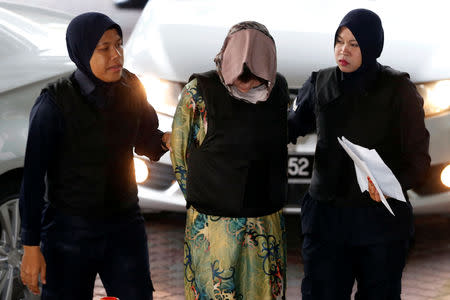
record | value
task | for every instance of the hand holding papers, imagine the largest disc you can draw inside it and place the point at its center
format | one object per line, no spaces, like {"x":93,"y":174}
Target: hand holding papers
{"x":369,"y":164}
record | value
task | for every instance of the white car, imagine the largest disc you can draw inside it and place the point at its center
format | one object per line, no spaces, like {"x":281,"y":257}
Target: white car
{"x":173,"y":39}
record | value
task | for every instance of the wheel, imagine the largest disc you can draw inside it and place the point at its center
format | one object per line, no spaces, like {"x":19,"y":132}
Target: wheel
{"x":11,"y":249}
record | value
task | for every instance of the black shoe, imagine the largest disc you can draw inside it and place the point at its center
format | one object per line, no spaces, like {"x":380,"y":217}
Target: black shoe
{"x":130,"y":3}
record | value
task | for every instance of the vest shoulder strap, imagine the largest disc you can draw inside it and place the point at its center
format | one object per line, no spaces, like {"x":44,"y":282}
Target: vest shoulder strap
{"x":327,"y":88}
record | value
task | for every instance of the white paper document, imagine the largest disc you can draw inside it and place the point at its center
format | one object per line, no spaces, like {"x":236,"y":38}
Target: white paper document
{"x":369,"y":164}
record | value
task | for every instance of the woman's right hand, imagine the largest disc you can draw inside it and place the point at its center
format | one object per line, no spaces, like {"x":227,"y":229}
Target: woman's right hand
{"x":373,"y":191}
{"x":166,"y":141}
{"x":33,"y":264}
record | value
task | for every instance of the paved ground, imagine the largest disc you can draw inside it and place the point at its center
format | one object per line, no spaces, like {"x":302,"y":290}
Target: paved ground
{"x":426,"y":277}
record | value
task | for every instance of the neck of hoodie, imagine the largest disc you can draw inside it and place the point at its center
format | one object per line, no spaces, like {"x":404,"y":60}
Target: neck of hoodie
{"x":359,"y":81}
{"x":98,"y":92}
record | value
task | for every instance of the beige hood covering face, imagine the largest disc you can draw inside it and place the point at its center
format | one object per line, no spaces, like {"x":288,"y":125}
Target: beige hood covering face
{"x":251,"y":44}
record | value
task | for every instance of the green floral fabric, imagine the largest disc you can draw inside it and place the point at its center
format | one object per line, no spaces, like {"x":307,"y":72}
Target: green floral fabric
{"x":234,"y":258}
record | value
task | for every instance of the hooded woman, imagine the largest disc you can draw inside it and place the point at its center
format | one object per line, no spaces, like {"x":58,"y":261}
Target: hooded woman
{"x":83,"y":129}
{"x":350,"y":235}
{"x":230,"y":158}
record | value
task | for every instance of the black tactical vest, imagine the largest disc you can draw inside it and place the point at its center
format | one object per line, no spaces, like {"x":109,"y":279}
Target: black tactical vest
{"x":93,"y":172}
{"x":240,"y":169}
{"x":369,"y":120}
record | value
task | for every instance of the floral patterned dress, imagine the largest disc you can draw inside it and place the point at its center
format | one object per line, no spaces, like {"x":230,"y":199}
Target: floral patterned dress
{"x":224,"y":258}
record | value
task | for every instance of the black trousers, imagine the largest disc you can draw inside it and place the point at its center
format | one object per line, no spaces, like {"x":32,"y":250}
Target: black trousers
{"x":76,"y":249}
{"x":331,"y":269}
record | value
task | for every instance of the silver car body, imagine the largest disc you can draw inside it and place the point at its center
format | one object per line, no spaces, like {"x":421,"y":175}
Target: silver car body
{"x":32,"y":53}
{"x":175,"y":38}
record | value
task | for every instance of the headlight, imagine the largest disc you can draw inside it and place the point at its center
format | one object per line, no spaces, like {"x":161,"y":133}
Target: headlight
{"x":445,"y":176}
{"x":436,"y":96}
{"x":140,"y":170}
{"x":436,"y":181}
{"x":163,"y":95}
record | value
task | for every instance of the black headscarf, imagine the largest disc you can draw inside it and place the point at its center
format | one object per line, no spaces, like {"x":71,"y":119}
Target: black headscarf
{"x":82,"y":36}
{"x":368,"y":31}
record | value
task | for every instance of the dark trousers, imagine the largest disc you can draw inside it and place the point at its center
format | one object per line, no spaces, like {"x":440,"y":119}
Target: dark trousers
{"x":76,"y":249}
{"x":331,"y":269}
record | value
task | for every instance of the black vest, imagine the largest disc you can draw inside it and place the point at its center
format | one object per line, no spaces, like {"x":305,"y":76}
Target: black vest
{"x":369,"y":120}
{"x":240,"y":169}
{"x":93,"y":173}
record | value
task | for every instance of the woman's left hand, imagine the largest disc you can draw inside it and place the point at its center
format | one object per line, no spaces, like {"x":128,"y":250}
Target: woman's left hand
{"x":166,"y":141}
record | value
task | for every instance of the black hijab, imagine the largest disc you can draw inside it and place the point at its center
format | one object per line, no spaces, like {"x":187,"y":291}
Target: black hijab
{"x":82,"y":36}
{"x":368,"y":31}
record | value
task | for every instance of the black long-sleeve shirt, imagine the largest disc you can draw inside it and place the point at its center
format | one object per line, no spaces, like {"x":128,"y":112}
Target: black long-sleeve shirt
{"x":46,"y":128}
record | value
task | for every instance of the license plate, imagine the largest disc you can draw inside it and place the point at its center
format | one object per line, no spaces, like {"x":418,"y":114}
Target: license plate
{"x":300,"y":168}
